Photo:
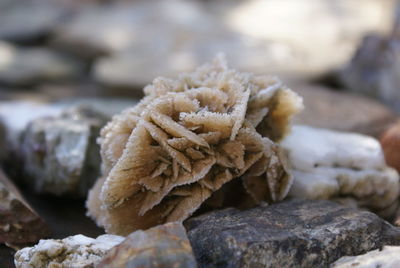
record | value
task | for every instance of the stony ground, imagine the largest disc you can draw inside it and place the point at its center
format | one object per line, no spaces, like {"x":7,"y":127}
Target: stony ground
{"x":67,"y":67}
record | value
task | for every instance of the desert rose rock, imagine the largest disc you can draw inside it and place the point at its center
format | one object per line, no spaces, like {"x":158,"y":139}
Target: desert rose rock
{"x":388,"y":257}
{"x":162,"y":246}
{"x":19,"y":223}
{"x":60,"y":153}
{"x":330,"y":164}
{"x":76,"y":251}
{"x":187,"y":138}
{"x":295,"y":233}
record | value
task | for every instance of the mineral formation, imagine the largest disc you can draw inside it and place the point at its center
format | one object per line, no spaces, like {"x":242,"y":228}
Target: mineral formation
{"x":186,"y":139}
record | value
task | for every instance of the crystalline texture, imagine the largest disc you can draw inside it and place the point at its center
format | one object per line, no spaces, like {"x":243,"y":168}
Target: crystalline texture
{"x":186,"y":139}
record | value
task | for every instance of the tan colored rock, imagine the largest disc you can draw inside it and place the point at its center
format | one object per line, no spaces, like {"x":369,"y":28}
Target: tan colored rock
{"x":162,"y":246}
{"x":19,"y":223}
{"x":164,"y":157}
{"x":76,"y":251}
{"x":345,"y":167}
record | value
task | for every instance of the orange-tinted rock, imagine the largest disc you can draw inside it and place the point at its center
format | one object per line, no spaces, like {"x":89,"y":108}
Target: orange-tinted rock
{"x":390,"y":141}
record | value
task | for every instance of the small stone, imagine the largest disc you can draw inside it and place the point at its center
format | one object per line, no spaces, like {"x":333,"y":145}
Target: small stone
{"x":19,"y":223}
{"x":329,"y":164}
{"x":390,"y":141}
{"x":162,"y":246}
{"x":388,"y":257}
{"x":76,"y":251}
{"x":343,"y":111}
{"x":30,"y":66}
{"x":374,"y":69}
{"x":60,"y":153}
{"x":297,"y":233}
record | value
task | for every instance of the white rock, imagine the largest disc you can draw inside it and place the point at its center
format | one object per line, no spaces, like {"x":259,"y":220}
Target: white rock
{"x":329,"y":165}
{"x":388,"y":257}
{"x":74,"y":251}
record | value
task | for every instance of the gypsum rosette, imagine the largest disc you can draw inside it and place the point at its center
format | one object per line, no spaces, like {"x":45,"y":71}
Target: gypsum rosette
{"x":187,"y":138}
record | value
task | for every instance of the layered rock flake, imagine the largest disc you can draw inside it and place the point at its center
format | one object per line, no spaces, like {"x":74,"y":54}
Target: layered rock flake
{"x":186,"y":139}
{"x":345,"y":167}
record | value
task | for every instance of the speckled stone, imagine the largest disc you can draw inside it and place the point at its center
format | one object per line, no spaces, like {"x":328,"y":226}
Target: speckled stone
{"x":296,"y":233}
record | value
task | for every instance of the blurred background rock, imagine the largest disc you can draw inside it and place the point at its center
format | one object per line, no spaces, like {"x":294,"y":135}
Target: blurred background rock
{"x":342,"y":56}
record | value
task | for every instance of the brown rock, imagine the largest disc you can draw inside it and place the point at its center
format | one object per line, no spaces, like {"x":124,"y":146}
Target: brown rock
{"x":19,"y":223}
{"x":162,"y":246}
{"x":390,"y":142}
{"x":342,"y":111}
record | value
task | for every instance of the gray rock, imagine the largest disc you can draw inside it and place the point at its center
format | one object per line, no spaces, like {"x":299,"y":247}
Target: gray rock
{"x":19,"y":223}
{"x":29,"y":66}
{"x":343,"y":111}
{"x":296,"y":233}
{"x":29,"y":21}
{"x":60,"y":154}
{"x":165,"y":245}
{"x":145,"y":39}
{"x":388,"y":257}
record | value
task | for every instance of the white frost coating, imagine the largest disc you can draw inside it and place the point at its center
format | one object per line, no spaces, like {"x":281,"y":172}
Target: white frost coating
{"x":388,"y":257}
{"x":74,"y":251}
{"x":329,"y":164}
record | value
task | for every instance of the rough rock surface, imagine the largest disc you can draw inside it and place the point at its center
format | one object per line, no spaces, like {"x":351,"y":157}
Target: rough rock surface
{"x":60,"y":154}
{"x":76,"y":251}
{"x":19,"y":223}
{"x":186,"y":139}
{"x":298,"y":233}
{"x":29,"y":66}
{"x":162,"y":246}
{"x":186,"y":33}
{"x":342,"y":166}
{"x":388,"y":257}
{"x":343,"y":111}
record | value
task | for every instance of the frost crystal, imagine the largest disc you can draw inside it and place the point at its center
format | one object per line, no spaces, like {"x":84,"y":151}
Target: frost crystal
{"x":186,"y":139}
